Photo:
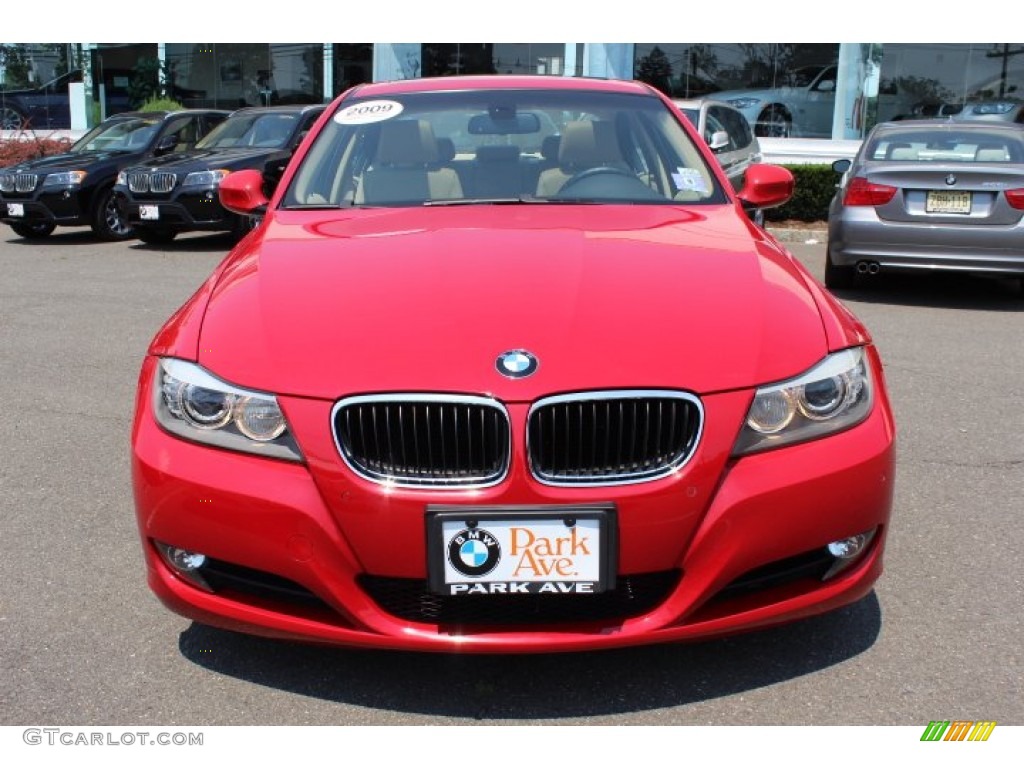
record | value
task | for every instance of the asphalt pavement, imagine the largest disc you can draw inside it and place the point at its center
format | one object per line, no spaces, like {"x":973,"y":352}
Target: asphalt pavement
{"x":83,"y":641}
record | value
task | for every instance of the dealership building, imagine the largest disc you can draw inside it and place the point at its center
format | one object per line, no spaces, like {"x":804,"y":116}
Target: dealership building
{"x":815,"y":90}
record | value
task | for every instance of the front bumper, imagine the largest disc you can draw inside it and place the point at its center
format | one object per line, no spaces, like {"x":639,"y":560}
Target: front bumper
{"x":63,"y":207}
{"x":308,"y":551}
{"x":184,"y":210}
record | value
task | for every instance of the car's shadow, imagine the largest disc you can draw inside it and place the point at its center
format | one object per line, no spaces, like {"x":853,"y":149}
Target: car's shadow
{"x":217,"y":241}
{"x":541,"y":686}
{"x":940,"y":290}
{"x":196,"y":242}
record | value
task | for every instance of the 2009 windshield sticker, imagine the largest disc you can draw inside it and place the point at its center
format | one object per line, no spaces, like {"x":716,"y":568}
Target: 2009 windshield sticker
{"x":690,"y":179}
{"x":369,"y":112}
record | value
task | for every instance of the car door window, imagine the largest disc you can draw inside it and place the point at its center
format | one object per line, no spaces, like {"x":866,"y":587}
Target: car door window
{"x":740,"y":135}
{"x":185,"y":130}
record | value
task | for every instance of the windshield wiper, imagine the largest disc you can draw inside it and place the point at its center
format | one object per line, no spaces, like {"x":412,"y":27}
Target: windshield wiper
{"x":321,"y":206}
{"x":518,"y":200}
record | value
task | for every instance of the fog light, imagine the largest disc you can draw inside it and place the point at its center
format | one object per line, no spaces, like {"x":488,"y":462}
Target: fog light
{"x":847,"y":551}
{"x":184,"y":560}
{"x":185,"y":563}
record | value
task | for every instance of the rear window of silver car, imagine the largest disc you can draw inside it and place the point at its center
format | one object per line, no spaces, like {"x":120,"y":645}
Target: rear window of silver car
{"x":947,"y":147}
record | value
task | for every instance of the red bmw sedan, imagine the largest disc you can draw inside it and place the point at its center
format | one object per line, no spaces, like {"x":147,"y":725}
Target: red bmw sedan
{"x":507,"y":368}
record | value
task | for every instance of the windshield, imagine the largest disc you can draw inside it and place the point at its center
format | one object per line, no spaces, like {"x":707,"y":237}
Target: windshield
{"x":121,"y":135}
{"x":503,"y":145}
{"x":251,"y":130}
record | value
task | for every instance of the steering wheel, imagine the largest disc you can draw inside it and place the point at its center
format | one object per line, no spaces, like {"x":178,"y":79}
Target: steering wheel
{"x":589,"y":173}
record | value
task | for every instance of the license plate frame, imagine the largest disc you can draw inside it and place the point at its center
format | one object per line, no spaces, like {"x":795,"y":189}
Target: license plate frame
{"x":149,"y":212}
{"x":948,"y":201}
{"x":583,"y":562}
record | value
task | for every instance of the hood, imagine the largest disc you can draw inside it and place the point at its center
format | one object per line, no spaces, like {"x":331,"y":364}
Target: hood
{"x":202,"y":159}
{"x":324,"y":304}
{"x":757,"y":93}
{"x":68,"y":161}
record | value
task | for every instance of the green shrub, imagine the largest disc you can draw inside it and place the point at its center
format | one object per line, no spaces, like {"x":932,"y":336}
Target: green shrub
{"x":161,"y":105}
{"x":815,"y":187}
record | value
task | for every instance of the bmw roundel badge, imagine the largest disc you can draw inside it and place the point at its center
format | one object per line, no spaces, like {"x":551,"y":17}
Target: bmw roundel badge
{"x":516,"y":364}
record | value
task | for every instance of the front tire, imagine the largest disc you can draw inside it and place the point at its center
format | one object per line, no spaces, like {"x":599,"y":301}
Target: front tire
{"x":108,"y":221}
{"x":11,"y":119}
{"x":775,"y":122}
{"x":34,"y":231}
{"x":838,"y":276}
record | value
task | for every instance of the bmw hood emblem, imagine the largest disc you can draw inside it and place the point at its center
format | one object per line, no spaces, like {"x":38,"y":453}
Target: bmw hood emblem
{"x":516,"y":364}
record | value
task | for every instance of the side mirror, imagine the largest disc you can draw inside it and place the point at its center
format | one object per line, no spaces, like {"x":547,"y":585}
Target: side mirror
{"x":719,"y":141}
{"x":166,"y":144}
{"x":242,"y":192}
{"x":842,"y":165}
{"x":765,"y":186}
{"x":826,"y":86}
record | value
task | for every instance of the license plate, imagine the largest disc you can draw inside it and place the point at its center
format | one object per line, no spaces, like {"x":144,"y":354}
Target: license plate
{"x":517,"y":551}
{"x":149,"y":212}
{"x":948,"y":202}
{"x":15,"y":209}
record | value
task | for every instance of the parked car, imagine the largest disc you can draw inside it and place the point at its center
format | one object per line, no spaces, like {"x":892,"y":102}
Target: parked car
{"x":994,"y":111}
{"x":77,"y":188}
{"x":589,"y":407}
{"x":803,"y":106}
{"x":178,"y":192}
{"x":929,"y":195}
{"x":727,"y":133}
{"x":47,"y":107}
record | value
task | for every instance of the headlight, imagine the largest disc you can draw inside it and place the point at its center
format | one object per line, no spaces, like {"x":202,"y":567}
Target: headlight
{"x":998,"y":108}
{"x":194,"y":404}
{"x":122,"y":178}
{"x":834,"y":395}
{"x":6,"y":182}
{"x":66,"y":179}
{"x":744,"y":103}
{"x":205,"y":178}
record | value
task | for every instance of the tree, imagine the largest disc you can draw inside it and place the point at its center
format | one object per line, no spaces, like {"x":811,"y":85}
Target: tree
{"x":17,"y":64}
{"x":655,"y":69}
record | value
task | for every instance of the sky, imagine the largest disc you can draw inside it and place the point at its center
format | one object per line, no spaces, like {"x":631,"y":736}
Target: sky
{"x":521,"y":21}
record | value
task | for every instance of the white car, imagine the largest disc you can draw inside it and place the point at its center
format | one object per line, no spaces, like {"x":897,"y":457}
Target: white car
{"x":727,"y":133}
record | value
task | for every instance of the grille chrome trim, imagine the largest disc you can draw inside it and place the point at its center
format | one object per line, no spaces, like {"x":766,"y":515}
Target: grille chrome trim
{"x":25,"y":182}
{"x":568,"y":478}
{"x":138,"y":182}
{"x":162,"y":182}
{"x":426,"y":481}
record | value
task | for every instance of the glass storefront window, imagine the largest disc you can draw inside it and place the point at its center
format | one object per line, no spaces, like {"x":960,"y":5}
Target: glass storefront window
{"x":233,"y":75}
{"x":493,"y":59}
{"x":353,"y":64}
{"x":783,"y":89}
{"x":934,"y":80}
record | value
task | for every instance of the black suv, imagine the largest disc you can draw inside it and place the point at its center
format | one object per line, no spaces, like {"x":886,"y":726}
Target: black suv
{"x":178,"y":193}
{"x":77,"y":188}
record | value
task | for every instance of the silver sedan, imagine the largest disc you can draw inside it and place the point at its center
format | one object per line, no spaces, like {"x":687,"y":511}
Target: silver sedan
{"x":929,"y":195}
